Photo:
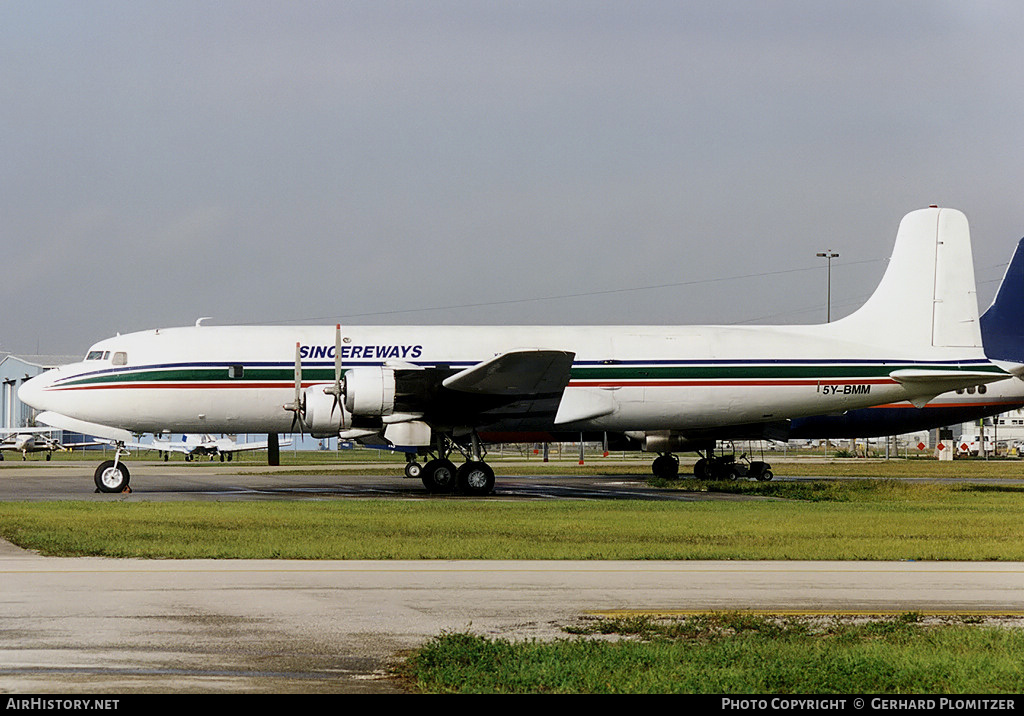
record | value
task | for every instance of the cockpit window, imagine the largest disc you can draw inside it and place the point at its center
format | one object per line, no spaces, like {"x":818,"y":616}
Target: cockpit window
{"x":120,"y":357}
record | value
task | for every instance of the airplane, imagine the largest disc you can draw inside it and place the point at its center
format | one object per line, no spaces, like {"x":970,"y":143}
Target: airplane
{"x":1000,"y":326}
{"x":196,"y":446}
{"x":26,"y":440}
{"x":438,"y":388}
{"x":36,"y":439}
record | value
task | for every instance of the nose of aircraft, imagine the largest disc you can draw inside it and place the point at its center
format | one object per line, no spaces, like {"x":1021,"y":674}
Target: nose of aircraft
{"x":32,"y":392}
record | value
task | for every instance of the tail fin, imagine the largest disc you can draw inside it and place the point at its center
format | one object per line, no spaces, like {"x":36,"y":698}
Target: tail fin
{"x":1002,"y":325}
{"x":927,"y":296}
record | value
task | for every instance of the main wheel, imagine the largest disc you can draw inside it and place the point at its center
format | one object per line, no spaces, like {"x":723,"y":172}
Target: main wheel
{"x":413,"y":469}
{"x":475,"y":478}
{"x":666,"y":467}
{"x":111,"y":477}
{"x":439,"y":476}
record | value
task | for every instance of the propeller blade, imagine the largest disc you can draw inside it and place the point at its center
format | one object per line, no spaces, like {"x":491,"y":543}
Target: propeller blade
{"x":298,"y":373}
{"x":298,"y":407}
{"x":335,"y":390}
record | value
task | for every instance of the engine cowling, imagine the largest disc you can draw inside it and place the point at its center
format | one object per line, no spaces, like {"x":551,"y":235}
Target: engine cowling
{"x":668,"y":442}
{"x":323,"y":418}
{"x":370,"y":391}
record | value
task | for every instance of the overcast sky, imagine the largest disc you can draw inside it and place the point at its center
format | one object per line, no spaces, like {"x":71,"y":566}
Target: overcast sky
{"x":493,"y":162}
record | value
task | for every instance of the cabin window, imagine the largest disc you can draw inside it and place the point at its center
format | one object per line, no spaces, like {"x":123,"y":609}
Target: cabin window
{"x":120,"y":358}
{"x":235,"y":371}
{"x":982,"y":388}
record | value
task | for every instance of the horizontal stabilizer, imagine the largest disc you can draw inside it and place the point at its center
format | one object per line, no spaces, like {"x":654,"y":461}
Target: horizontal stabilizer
{"x":522,"y":372}
{"x":923,"y":385}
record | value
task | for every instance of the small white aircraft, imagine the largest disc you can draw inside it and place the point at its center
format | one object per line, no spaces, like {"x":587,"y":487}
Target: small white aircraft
{"x":36,"y":439}
{"x":26,"y":440}
{"x":196,"y":446}
{"x":437,"y":388}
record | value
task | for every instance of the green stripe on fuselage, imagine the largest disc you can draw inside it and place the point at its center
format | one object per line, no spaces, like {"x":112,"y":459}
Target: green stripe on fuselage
{"x":675,"y":372}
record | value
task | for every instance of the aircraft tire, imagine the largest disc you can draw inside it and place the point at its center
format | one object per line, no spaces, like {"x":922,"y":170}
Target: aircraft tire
{"x":438,"y":476}
{"x":475,"y":478}
{"x":700,"y":469}
{"x":112,"y":478}
{"x":666,"y":467}
{"x":413,"y":469}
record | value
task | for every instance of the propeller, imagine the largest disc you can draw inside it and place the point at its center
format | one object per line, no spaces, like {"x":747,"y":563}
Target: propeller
{"x":298,"y":407}
{"x":336,"y":389}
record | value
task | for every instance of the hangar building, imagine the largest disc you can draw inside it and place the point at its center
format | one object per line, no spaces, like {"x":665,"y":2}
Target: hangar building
{"x":15,"y":370}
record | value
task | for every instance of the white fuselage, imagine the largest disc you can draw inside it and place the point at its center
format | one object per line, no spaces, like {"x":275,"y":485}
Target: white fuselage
{"x":237,"y":379}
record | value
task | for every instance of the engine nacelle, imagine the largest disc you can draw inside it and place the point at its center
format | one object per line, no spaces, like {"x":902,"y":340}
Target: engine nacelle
{"x":323,"y":418}
{"x":370,"y":391}
{"x":662,"y":442}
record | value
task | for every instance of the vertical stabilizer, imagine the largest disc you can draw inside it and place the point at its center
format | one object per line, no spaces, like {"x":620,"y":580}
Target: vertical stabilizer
{"x":927,"y":296}
{"x":1002,"y":325}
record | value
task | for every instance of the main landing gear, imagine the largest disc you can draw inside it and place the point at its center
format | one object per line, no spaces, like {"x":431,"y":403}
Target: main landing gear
{"x":712,"y":467}
{"x":440,"y":475}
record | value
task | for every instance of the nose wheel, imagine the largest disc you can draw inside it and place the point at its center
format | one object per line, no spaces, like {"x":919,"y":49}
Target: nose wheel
{"x":112,"y":476}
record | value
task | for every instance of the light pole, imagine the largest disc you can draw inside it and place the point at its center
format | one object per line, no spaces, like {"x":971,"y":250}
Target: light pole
{"x":829,"y":255}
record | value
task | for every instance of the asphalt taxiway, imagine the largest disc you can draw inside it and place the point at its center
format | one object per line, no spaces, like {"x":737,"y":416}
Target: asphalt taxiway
{"x":158,"y":481}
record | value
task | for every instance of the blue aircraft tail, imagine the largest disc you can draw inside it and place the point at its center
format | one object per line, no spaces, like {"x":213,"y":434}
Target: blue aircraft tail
{"x":1002,"y":325}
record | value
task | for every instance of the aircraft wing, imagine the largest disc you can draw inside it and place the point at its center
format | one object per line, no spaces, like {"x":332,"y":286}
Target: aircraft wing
{"x":169,"y":446}
{"x":226,"y":446}
{"x":23,"y":431}
{"x":82,"y":444}
{"x":517,"y":373}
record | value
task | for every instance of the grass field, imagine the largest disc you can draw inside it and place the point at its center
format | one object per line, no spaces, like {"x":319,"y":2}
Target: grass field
{"x":828,"y":519}
{"x":849,"y":517}
{"x":734,"y":654}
